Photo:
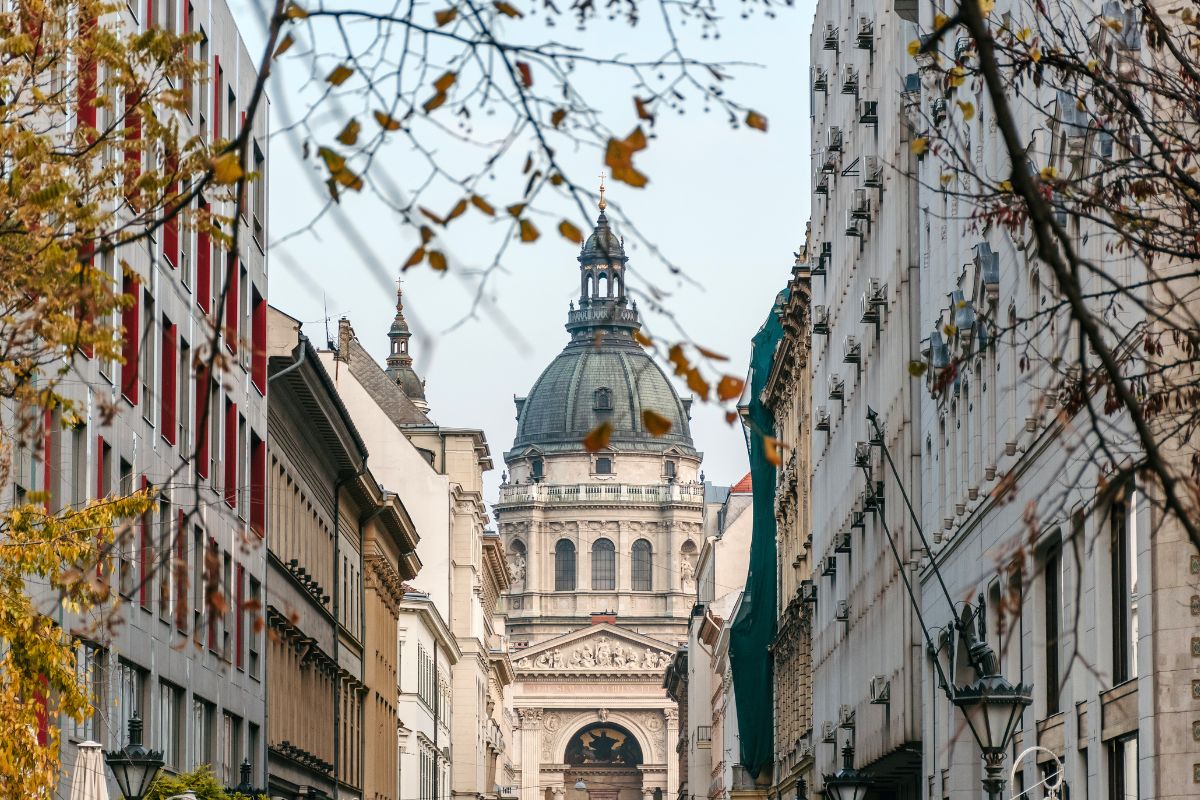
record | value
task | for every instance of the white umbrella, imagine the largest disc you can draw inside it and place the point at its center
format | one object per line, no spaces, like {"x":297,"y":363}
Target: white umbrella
{"x":89,"y":781}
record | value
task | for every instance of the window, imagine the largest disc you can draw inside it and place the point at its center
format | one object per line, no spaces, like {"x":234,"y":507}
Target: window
{"x":259,"y":189}
{"x":669,"y":468}
{"x":232,"y":274}
{"x":518,"y":564}
{"x":170,"y":374}
{"x":537,"y":468}
{"x":184,"y":392}
{"x":201,"y":732}
{"x":204,"y":261}
{"x":258,"y":485}
{"x":604,"y":465}
{"x":127,"y":577}
{"x":258,"y":341}
{"x":564,"y":566}
{"x":231,"y":453}
{"x":167,"y":738}
{"x":1123,"y":769}
{"x":231,"y":748}
{"x":604,"y":565}
{"x":239,"y":611}
{"x":79,"y":465}
{"x":147,"y":366}
{"x":602,"y":399}
{"x":243,"y":470}
{"x":129,"y":347}
{"x":1052,"y":624}
{"x":255,"y":609}
{"x":89,"y":676}
{"x":1123,"y":532}
{"x":641,"y":565}
{"x":130,"y":687}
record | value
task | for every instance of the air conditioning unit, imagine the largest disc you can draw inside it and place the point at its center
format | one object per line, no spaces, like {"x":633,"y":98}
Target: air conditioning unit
{"x":872,"y":172}
{"x":868,"y":111}
{"x":822,"y":186}
{"x":837,"y":387}
{"x":868,"y":312}
{"x":827,"y":252}
{"x":860,"y":204}
{"x":849,"y":79}
{"x":831,"y":36}
{"x":842,"y":613}
{"x":808,"y":592}
{"x":829,"y":161}
{"x":829,"y":732}
{"x":834,"y":139}
{"x":937,"y":110}
{"x":820,"y":79}
{"x":841,"y":542}
{"x":855,"y":225}
{"x":964,"y":47}
{"x":858,"y":517}
{"x":820,"y":320}
{"x":881,"y":690}
{"x":851,"y":350}
{"x":846,"y":717}
{"x":828,"y":566}
{"x":821,"y":416}
{"x":866,"y":33}
{"x":817,"y":266}
{"x":862,"y":454}
{"x":877,"y":291}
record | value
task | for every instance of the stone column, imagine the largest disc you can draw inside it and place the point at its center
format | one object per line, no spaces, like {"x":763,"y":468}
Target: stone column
{"x":647,"y":793}
{"x":560,"y":792}
{"x":531,"y":752}
{"x":672,"y":734}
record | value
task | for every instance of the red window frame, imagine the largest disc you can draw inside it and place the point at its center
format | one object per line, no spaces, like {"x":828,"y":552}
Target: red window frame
{"x":258,"y":342}
{"x":218,"y":82}
{"x":240,"y":609}
{"x":131,"y":346}
{"x":171,"y":212}
{"x":202,"y":422}
{"x":144,"y":560}
{"x":86,"y":113}
{"x":233,"y":278}
{"x":204,"y":268}
{"x":231,"y":465}
{"x":47,"y":456}
{"x":169,"y":398}
{"x":258,"y":485}
{"x":133,"y":133}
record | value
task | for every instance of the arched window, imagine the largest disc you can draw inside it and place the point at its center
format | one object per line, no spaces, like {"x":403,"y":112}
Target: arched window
{"x":603,"y":465}
{"x":604,"y":565}
{"x":564,"y":566}
{"x":641,"y":566}
{"x":602,"y":399}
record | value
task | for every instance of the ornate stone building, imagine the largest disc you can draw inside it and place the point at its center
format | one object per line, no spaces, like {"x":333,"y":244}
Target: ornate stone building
{"x":601,"y":548}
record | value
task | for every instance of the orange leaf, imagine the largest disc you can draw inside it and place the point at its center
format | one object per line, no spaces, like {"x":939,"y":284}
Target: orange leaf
{"x":643,"y":339}
{"x":656,"y":424}
{"x":483,"y":205}
{"x":349,"y":134}
{"x":598,"y":438}
{"x":515,"y":209}
{"x":529,"y":232}
{"x":558,"y":116}
{"x":569,"y":231}
{"x":506,"y":9}
{"x":434,"y":102}
{"x":284,"y":45}
{"x":715,"y":356}
{"x":341,"y":73}
{"x":643,"y":110}
{"x":445,"y":16}
{"x":731,"y":417}
{"x":431,"y":215}
{"x":637,"y":139}
{"x":459,"y":208}
{"x":417,"y":257}
{"x":447,"y":79}
{"x":730,"y":387}
{"x":526,"y":73}
{"x":437,"y":260}
{"x":773,"y":450}
{"x":426,"y":234}
{"x":387,"y":122}
{"x":675,"y":356}
{"x":756,"y":120}
{"x":697,"y":384}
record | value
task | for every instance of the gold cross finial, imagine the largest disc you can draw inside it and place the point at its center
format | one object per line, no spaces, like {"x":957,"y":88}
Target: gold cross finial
{"x":603,"y":205}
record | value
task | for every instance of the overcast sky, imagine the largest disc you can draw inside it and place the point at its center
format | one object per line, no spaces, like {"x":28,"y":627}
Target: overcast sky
{"x":728,"y":206}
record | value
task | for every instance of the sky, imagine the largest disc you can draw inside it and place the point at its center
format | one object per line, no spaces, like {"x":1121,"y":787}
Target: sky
{"x":728,"y":206}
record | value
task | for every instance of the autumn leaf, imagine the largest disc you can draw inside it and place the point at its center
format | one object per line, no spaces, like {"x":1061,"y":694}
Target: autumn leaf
{"x":730,"y":387}
{"x":914,"y":47}
{"x":968,"y":110}
{"x":430,"y":215}
{"x":445,"y":16}
{"x":643,"y":109}
{"x":656,"y":424}
{"x":349,"y":134}
{"x":386,"y":121}
{"x":917,"y":368}
{"x":558,"y":116}
{"x":731,"y":417}
{"x":920,"y":145}
{"x":570,"y":232}
{"x":618,"y":157}
{"x":341,"y":73}
{"x":696,"y":382}
{"x":597,"y":438}
{"x":226,"y":169}
{"x":678,"y":359}
{"x":437,"y":260}
{"x":483,"y":205}
{"x":712,"y":354}
{"x":445,"y":81}
{"x":773,"y":450}
{"x":459,"y":209}
{"x":295,"y":12}
{"x":507,"y":10}
{"x":515,"y":209}
{"x":426,"y":234}
{"x":529,"y":232}
{"x":434,"y":102}
{"x":643,"y":339}
{"x":756,"y":120}
{"x":417,"y":257}
{"x":526,"y":73}
{"x":284,"y":45}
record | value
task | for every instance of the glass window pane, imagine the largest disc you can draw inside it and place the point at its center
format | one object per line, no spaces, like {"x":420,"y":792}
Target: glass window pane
{"x":564,"y":566}
{"x":604,"y":565}
{"x":641,"y":567}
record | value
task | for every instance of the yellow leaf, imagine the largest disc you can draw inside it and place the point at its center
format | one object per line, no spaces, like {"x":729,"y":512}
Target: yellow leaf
{"x":445,"y":16}
{"x":920,"y":145}
{"x":956,"y":76}
{"x":1035,"y":55}
{"x":445,"y":81}
{"x":507,"y":10}
{"x":914,"y":47}
{"x":1024,"y":34}
{"x":939,"y":20}
{"x":284,"y":45}
{"x":417,"y":257}
{"x":945,"y":178}
{"x":226,"y":169}
{"x":1005,"y":186}
{"x":570,"y":232}
{"x":349,"y":134}
{"x":1048,"y":173}
{"x":968,"y":110}
{"x":730,"y":387}
{"x":341,"y":73}
{"x":697,"y":384}
{"x":483,"y":205}
{"x":333,"y":161}
{"x":656,"y":424}
{"x":529,"y":232}
{"x":295,"y":12}
{"x":643,"y":339}
{"x":597,"y":438}
{"x":756,"y":120}
{"x":437,"y":260}
{"x":387,"y":122}
{"x":917,"y":368}
{"x":986,"y":7}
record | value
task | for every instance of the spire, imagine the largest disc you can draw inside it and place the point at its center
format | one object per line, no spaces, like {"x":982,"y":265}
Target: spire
{"x":602,"y":300}
{"x":603,"y":204}
{"x":399,"y":360}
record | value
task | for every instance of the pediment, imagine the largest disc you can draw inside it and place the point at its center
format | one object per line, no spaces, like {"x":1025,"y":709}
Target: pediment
{"x":601,"y":648}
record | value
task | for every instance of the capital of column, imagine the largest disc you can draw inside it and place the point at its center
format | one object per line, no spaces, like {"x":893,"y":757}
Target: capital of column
{"x":559,"y":792}
{"x":530,"y":717}
{"x":671,"y":715}
{"x":647,"y":794}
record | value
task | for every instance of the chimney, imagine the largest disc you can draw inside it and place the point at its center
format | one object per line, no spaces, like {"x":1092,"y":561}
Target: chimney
{"x":601,"y":617}
{"x":345,"y":334}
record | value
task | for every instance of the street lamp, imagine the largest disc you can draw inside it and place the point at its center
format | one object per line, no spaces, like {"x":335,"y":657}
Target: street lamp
{"x":244,"y":786}
{"x":847,"y":783}
{"x":581,"y":785}
{"x":133,"y":766}
{"x":993,"y":707}
{"x":801,"y":789}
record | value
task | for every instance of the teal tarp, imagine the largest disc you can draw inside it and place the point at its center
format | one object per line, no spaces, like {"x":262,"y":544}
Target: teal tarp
{"x":754,"y":627}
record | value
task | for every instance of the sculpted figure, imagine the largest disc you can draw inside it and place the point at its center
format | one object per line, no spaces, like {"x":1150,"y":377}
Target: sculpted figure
{"x":603,"y":654}
{"x":556,"y":660}
{"x":589,"y":658}
{"x":618,"y":657}
{"x":543,"y":660}
{"x":649,"y":660}
{"x":576,"y":659}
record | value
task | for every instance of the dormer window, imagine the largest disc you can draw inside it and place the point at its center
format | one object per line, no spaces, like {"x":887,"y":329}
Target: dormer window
{"x":537,"y":468}
{"x":602,"y":399}
{"x":604,"y":465}
{"x":669,"y":468}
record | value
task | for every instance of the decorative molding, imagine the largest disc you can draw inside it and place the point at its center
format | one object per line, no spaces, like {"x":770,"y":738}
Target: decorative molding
{"x":606,"y":655}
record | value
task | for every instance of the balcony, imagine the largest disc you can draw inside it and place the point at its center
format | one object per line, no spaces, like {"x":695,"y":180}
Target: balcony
{"x":605,"y":493}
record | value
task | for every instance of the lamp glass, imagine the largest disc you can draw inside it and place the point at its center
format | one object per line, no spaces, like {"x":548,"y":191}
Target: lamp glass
{"x":581,"y":785}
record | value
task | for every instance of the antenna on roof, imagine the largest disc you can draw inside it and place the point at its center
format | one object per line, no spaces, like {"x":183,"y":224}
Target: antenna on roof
{"x":328,"y":335}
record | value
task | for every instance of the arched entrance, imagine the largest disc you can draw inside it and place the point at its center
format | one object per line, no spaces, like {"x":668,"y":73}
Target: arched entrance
{"x":607,"y":758}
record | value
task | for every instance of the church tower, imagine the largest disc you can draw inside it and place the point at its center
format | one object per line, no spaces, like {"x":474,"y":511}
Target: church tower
{"x":399,"y":360}
{"x":601,"y":549}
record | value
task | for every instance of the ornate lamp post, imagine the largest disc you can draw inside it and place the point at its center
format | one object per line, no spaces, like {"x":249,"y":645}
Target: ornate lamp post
{"x":801,"y":789}
{"x":847,"y":783}
{"x":133,"y":766}
{"x":993,"y":707}
{"x":244,"y":786}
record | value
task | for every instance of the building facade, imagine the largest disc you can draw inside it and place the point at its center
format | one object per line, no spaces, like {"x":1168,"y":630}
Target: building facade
{"x":602,"y":547}
{"x":192,"y":671}
{"x":867,"y":657}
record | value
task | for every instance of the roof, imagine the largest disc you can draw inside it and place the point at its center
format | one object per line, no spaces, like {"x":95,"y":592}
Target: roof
{"x":386,"y":393}
{"x":743,"y":486}
{"x":603,"y":245}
